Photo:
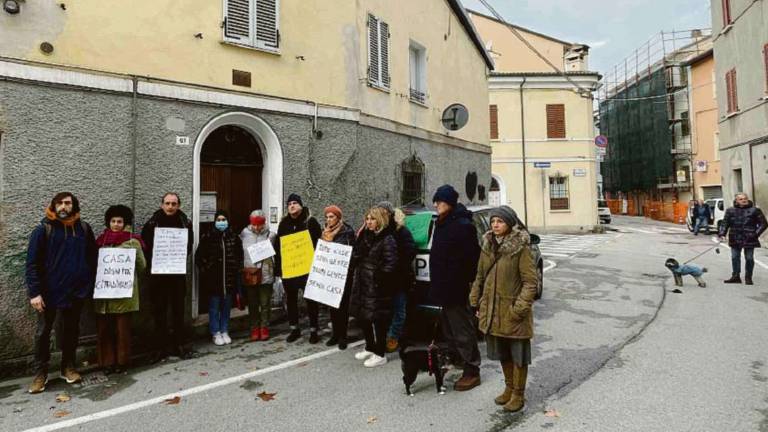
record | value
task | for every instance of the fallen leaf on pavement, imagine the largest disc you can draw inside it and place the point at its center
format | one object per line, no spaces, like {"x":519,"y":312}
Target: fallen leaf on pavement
{"x":203,"y":374}
{"x":61,"y":413}
{"x":302,"y":364}
{"x":63,"y":398}
{"x":173,"y":401}
{"x":551,"y":413}
{"x":266,"y":397}
{"x":372,"y":419}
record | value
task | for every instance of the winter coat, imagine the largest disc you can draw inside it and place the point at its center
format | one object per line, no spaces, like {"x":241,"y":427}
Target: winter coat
{"x":288,"y":226}
{"x":701,"y":211}
{"x":375,"y":260}
{"x":453,"y":258}
{"x":125,"y":305}
{"x":160,"y":220}
{"x":250,"y":238}
{"x":406,"y":253}
{"x":689,"y":269}
{"x":61,"y":262}
{"x":220,"y":259}
{"x":346,"y":236}
{"x":504,"y":292}
{"x":744,"y":225}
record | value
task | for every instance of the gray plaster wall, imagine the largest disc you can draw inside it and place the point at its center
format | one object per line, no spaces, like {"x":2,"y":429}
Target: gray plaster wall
{"x":57,"y":139}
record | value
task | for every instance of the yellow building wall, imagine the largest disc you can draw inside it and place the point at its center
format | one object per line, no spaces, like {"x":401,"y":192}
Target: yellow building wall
{"x":510,"y":54}
{"x":705,"y":124}
{"x":323,"y":53}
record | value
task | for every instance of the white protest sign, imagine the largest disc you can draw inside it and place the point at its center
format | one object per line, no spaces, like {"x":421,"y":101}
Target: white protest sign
{"x":329,"y":273}
{"x":115,"y":273}
{"x":261,"y":251}
{"x":169,"y":252}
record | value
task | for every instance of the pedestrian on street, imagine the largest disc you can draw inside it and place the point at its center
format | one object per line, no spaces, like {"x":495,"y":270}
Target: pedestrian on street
{"x":403,"y":276}
{"x":743,"y":224}
{"x":113,"y":316}
{"x":258,"y":277}
{"x":60,"y":273}
{"x":701,"y":214}
{"x":220,"y":259}
{"x":375,"y":258}
{"x":503,"y":294}
{"x":452,"y":268}
{"x":168,"y":291}
{"x":297,"y":220}
{"x":338,"y":231}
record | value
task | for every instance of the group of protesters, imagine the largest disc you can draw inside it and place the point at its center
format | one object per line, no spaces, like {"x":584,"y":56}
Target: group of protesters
{"x":492,"y":286}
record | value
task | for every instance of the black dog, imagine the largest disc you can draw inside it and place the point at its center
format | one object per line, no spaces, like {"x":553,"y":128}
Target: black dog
{"x":415,"y":359}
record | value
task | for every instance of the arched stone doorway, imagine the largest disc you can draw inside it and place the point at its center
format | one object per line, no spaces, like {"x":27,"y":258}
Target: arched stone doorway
{"x":238,"y":167}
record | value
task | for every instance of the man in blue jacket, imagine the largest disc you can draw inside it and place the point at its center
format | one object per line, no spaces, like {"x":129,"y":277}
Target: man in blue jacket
{"x":452,"y":269}
{"x":60,"y":273}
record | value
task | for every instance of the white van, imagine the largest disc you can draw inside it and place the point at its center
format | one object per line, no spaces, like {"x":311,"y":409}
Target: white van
{"x":716,"y":208}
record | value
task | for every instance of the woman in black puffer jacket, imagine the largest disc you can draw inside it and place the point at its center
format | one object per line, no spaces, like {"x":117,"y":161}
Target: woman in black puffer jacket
{"x":375,"y":259}
{"x":220,"y":258}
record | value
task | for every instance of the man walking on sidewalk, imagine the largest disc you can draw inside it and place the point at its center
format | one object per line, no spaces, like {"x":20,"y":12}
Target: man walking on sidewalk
{"x":452,"y":268}
{"x":61,"y":269}
{"x":701,"y":215}
{"x":743,"y":223}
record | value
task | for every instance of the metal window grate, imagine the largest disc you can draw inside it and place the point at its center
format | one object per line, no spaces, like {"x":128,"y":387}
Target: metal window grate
{"x":418,"y":96}
{"x":558,"y":193}
{"x":413,"y":182}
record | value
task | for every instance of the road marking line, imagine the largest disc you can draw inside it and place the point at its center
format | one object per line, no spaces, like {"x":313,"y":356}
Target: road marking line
{"x":640,"y":230}
{"x":183,"y":393}
{"x":555,"y":254}
{"x":551,"y":265}
{"x":765,"y":266}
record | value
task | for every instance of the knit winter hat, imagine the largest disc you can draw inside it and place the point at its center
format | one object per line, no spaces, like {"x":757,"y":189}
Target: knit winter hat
{"x":446,"y":194}
{"x":294,"y":197}
{"x":333,"y":209}
{"x":386,"y":205}
{"x":504,"y":213}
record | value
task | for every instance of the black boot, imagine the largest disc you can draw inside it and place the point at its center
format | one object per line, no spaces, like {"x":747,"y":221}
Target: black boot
{"x":314,"y":337}
{"x":342,"y":343}
{"x":332,"y":341}
{"x":748,"y":279}
{"x":295,"y":334}
{"x":735,"y":279}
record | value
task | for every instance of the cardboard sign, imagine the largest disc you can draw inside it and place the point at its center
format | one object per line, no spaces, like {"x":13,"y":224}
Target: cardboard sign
{"x":115,"y":273}
{"x":169,"y":252}
{"x":329,"y":273}
{"x":260,"y":251}
{"x":296,"y":254}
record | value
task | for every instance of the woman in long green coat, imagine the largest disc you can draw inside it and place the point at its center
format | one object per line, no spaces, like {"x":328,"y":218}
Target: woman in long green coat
{"x":503,"y":294}
{"x":113,"y":316}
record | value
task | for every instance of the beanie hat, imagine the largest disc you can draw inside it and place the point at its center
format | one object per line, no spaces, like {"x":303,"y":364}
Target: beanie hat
{"x":118,"y":211}
{"x":446,"y":194}
{"x":386,"y":205}
{"x":504,"y":213}
{"x":333,"y":209}
{"x":294,"y":197}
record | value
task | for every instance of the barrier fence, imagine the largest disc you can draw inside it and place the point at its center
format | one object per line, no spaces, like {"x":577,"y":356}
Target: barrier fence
{"x":656,"y":210}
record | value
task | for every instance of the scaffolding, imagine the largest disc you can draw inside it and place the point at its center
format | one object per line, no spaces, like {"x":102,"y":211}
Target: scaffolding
{"x":644,"y":112}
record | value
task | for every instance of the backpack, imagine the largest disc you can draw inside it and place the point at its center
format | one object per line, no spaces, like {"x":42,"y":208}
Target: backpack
{"x":49,"y":229}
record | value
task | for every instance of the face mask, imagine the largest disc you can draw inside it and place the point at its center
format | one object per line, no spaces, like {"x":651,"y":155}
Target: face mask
{"x":221,"y":225}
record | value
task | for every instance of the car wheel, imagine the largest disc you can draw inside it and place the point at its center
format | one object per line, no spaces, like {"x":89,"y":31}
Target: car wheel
{"x":540,"y":275}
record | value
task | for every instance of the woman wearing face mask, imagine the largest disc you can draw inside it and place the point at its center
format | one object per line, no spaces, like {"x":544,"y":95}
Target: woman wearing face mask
{"x":113,"y":316}
{"x":338,"y":231}
{"x":503,"y":294}
{"x":258,"y":277}
{"x":220,"y":259}
{"x":375,"y":258}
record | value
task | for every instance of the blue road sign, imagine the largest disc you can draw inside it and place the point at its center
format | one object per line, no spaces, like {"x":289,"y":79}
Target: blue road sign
{"x":542,"y":164}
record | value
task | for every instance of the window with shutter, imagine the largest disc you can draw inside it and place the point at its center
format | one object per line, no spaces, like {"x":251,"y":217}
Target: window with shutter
{"x":494,"y":112}
{"x":730,"y":87}
{"x":556,"y":121}
{"x":254,"y":23}
{"x":765,"y":65}
{"x":726,"y":12}
{"x":378,"y":52}
{"x":558,"y":193}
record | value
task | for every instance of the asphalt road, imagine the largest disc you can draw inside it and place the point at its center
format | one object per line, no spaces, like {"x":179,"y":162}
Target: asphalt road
{"x":614,"y":350}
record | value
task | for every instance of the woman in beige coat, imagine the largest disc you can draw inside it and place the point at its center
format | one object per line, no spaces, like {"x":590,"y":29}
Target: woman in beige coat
{"x":503,"y":294}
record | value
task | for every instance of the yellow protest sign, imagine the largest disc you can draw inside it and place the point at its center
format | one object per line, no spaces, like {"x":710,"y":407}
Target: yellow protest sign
{"x":296,"y":253}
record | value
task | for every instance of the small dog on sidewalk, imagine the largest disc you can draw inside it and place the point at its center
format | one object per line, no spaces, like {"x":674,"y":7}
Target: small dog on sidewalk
{"x":678,"y":271}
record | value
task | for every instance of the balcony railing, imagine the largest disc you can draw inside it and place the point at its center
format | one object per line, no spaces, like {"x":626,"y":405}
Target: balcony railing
{"x":418,"y":96}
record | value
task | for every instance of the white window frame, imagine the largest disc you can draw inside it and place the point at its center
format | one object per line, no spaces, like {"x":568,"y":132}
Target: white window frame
{"x":252,"y":41}
{"x":383,"y":78}
{"x":417,"y":68}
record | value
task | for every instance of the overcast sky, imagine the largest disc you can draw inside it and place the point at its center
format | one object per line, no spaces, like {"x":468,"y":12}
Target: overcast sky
{"x":612,"y":28}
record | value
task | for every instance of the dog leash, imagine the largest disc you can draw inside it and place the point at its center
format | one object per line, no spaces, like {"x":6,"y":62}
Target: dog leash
{"x":713,"y":247}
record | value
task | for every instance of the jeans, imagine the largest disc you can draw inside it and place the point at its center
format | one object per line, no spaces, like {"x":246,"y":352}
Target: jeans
{"x":398,"y":317}
{"x":375,"y":333}
{"x":67,"y":334}
{"x":749,"y":260}
{"x":259,"y":304}
{"x":218,"y":313}
{"x":700,"y":222}
{"x":169,"y":292}
{"x":292,"y":287}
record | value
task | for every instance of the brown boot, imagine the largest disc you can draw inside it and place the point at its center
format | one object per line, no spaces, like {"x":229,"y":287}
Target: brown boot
{"x":519,"y":378}
{"x":468,"y":381}
{"x":735,"y":279}
{"x":39,"y":382}
{"x":503,"y":398}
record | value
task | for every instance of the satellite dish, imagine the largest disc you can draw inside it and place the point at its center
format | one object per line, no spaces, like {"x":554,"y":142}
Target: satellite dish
{"x":455,"y":117}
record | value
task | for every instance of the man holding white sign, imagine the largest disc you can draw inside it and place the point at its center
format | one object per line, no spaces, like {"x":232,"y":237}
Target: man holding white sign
{"x":168,"y":282}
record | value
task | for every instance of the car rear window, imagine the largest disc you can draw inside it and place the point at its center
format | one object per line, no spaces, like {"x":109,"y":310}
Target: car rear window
{"x":602,"y":203}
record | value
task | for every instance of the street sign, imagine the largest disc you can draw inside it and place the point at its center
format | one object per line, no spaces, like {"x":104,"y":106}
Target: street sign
{"x":601,"y":141}
{"x":579,"y":172}
{"x":542,"y":164}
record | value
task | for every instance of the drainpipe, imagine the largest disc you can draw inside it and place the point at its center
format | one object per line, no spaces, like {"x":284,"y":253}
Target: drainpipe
{"x":522,"y":135}
{"x":134,"y":141}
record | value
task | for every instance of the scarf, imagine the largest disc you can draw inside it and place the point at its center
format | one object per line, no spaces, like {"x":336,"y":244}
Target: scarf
{"x":110,"y":238}
{"x":329,"y":232}
{"x":69,"y":222}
